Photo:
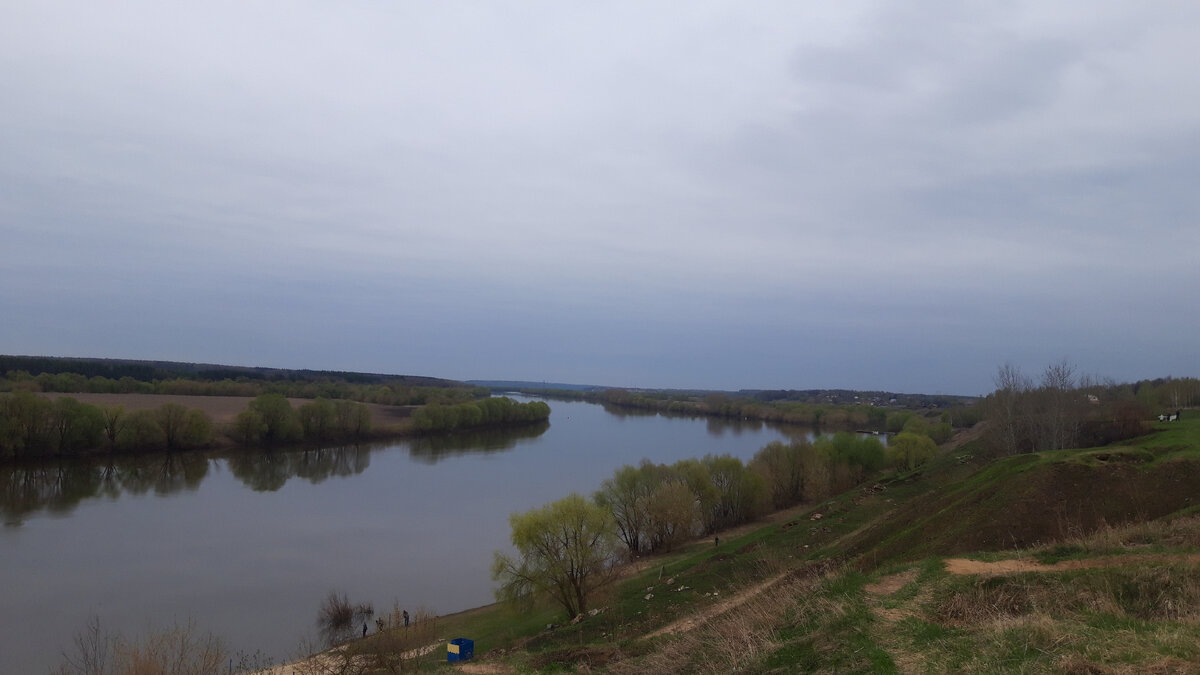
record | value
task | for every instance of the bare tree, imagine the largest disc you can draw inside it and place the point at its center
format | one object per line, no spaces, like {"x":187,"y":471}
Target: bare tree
{"x":338,"y":618}
{"x":93,"y":654}
{"x":1059,"y":415}
{"x":179,"y":650}
{"x":1008,"y":414}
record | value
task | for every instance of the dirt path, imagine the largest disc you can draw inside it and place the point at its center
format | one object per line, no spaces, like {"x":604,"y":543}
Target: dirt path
{"x":1018,"y":565}
{"x":684,"y":624}
{"x":696,"y":618}
{"x":888,"y":616}
{"x":891,"y":583}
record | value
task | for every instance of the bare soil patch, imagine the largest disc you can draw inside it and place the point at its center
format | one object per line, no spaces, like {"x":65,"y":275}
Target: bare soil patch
{"x":1019,"y":565}
{"x":891,"y":583}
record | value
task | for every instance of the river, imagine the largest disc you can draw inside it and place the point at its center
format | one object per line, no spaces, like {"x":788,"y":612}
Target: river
{"x":246,"y":546}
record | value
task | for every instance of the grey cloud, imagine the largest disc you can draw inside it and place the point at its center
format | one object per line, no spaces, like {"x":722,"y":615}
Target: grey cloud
{"x":853,"y":195}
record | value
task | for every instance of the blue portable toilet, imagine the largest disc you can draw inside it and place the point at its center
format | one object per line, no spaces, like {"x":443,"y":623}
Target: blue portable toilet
{"x":460,"y":649}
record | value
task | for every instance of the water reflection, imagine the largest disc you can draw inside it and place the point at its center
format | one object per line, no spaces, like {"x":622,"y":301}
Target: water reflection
{"x":57,"y":487}
{"x":621,"y":412}
{"x":716,"y":427}
{"x":719,"y":426}
{"x":433,"y":449}
{"x":269,"y":471}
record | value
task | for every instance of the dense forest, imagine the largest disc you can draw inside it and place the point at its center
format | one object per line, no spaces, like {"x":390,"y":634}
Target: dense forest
{"x":104,"y":376}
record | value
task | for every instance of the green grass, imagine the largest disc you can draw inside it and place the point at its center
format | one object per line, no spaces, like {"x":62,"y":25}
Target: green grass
{"x":1032,"y":622}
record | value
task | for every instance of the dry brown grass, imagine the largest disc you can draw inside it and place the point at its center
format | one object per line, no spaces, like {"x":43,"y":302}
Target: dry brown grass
{"x":1176,"y":533}
{"x":740,"y":635}
{"x":1144,"y":592}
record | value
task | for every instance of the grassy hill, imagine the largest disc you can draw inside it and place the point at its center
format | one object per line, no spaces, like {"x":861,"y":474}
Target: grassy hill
{"x":1082,"y":561}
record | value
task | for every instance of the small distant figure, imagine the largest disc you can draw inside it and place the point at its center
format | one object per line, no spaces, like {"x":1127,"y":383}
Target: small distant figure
{"x":364,"y":629}
{"x":716,"y":542}
{"x":1179,"y":414}
{"x":405,"y":615}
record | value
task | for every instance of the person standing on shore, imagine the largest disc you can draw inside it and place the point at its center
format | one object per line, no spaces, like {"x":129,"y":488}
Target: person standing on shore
{"x":405,"y":618}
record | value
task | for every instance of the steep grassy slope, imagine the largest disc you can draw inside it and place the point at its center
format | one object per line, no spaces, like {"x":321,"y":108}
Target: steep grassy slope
{"x":860,"y":583}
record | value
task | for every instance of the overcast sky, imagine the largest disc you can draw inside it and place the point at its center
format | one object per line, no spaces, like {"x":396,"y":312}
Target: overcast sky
{"x":870,"y":195}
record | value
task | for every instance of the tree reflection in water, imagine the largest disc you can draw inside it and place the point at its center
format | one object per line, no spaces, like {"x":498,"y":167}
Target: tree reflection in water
{"x":59,"y":486}
{"x":269,"y":471}
{"x":433,"y":449}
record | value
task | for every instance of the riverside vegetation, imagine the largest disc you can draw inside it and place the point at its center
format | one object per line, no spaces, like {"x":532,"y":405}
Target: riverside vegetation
{"x":33,"y":426}
{"x":1080,"y":559}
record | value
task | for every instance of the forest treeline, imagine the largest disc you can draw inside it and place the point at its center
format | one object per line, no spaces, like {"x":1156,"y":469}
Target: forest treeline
{"x":148,"y":371}
{"x":35,"y":427}
{"x":482,"y":413}
{"x":1062,"y":409}
{"x":568,"y":548}
{"x":382,"y":392}
{"x":654,"y":507}
{"x":834,"y":416}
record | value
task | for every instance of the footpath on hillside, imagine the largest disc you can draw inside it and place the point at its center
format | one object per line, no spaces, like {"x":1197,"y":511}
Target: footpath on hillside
{"x":1019,"y":565}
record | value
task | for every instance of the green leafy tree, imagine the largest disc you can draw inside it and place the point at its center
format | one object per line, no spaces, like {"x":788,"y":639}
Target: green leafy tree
{"x":171,"y":418}
{"x":142,"y":432}
{"x":909,"y":450}
{"x":741,"y":494}
{"x":360,"y":420}
{"x":916,"y":424}
{"x":896,"y":421}
{"x":30,"y":420}
{"x":941,"y":432}
{"x":76,"y":425}
{"x":280,"y":423}
{"x":783,"y":472}
{"x":695,"y":474}
{"x":317,"y":419}
{"x":565,"y":549}
{"x":671,"y":514}
{"x":625,"y":496}
{"x":249,"y":426}
{"x":197,"y":429}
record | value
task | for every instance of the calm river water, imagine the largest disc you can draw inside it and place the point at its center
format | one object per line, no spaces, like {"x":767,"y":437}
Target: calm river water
{"x":247,"y":546}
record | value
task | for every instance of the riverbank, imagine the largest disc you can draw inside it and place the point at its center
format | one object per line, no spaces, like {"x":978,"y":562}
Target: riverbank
{"x":101,"y":424}
{"x":249,"y":543}
{"x":485,"y":622}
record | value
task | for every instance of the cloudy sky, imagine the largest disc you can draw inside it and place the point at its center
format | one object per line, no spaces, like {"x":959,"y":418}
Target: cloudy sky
{"x":869,"y":195}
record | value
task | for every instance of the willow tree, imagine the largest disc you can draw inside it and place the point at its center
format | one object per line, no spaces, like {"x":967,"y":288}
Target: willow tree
{"x":565,"y":549}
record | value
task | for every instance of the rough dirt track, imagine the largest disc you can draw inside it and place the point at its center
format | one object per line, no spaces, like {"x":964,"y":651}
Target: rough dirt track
{"x":689,"y":622}
{"x":695,"y":619}
{"x":1019,"y":565}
